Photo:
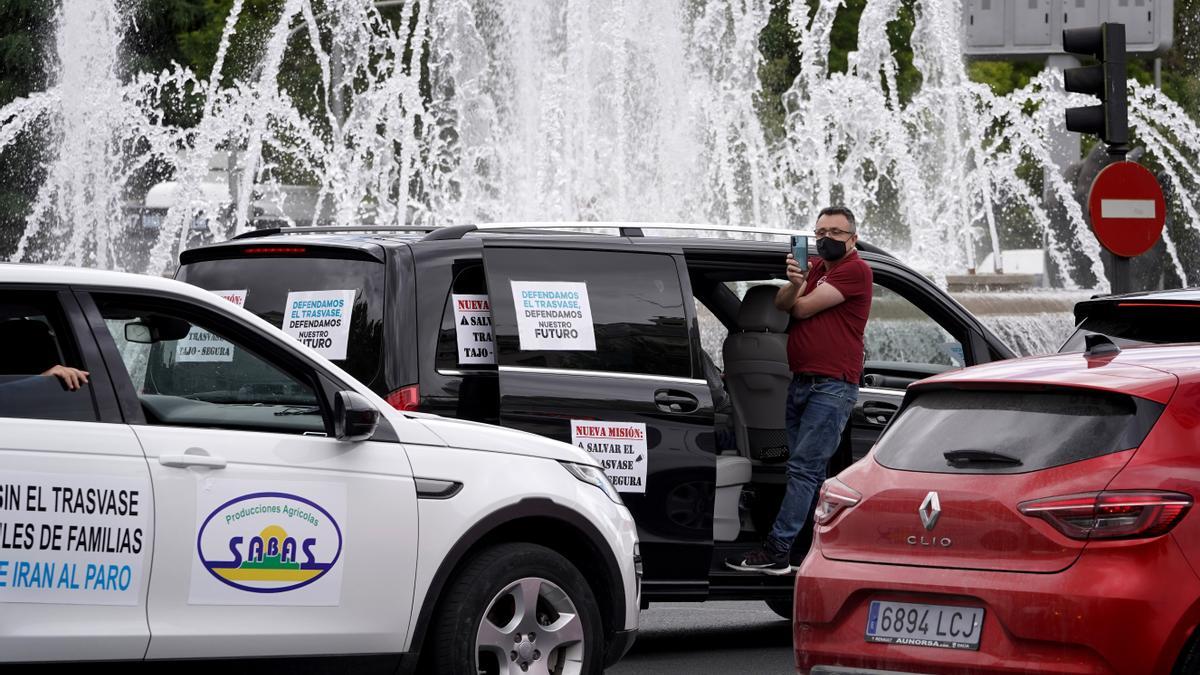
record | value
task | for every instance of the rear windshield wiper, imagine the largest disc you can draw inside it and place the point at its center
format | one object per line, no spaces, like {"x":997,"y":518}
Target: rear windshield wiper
{"x":964,"y":456}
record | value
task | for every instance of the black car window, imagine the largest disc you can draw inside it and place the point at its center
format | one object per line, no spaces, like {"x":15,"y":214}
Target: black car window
{"x":898,"y":331}
{"x":899,"y":334}
{"x":1012,"y":431}
{"x":465,"y":338}
{"x":36,"y":348}
{"x":609,"y":311}
{"x":268,"y":282}
{"x":1132,"y":325}
{"x":188,"y":370}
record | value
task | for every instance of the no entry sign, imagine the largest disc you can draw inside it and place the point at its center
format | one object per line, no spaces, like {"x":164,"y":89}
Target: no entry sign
{"x":1127,"y":208}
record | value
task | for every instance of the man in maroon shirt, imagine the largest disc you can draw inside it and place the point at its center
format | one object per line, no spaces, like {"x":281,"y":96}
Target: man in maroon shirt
{"x":829,"y":307}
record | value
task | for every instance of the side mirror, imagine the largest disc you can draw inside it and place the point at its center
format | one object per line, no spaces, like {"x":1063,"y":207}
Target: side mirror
{"x":354,"y":418}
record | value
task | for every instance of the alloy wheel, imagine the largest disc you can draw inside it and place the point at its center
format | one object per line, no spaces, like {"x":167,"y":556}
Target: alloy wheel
{"x":531,"y":627}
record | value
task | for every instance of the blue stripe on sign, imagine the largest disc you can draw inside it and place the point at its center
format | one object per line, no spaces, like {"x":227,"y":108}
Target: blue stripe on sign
{"x":872,"y":618}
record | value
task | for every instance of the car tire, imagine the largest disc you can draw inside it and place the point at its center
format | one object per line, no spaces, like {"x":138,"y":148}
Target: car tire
{"x":483,"y":626}
{"x":781,"y":607}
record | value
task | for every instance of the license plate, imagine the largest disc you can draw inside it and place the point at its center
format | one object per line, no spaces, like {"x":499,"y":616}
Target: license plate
{"x":905,"y":623}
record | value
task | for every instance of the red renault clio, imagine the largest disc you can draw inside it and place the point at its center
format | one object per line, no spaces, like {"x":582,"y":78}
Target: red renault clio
{"x":1023,"y":516}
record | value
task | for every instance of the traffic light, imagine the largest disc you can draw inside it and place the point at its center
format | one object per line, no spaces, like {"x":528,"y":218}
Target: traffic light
{"x":1109,"y":120}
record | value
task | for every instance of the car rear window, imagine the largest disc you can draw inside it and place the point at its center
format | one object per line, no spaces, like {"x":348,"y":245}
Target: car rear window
{"x":268,"y":281}
{"x":984,"y":431}
{"x":1132,"y":325}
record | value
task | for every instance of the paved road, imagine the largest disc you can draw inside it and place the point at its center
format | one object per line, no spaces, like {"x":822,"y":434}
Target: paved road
{"x":709,"y":637}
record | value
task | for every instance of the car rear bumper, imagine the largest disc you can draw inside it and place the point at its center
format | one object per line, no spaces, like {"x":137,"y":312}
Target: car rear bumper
{"x":1113,"y":611}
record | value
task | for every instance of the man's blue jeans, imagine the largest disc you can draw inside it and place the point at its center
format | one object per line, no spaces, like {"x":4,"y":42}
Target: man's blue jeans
{"x":817,"y":411}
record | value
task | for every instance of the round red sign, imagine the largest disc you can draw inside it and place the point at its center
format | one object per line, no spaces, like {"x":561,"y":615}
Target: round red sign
{"x":1127,"y":208}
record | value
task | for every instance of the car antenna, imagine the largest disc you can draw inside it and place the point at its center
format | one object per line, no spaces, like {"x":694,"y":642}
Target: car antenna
{"x":1099,"y":344}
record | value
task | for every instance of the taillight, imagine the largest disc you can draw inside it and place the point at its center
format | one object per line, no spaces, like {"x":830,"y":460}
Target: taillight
{"x":404,"y":398}
{"x":274,"y":250}
{"x":836,"y":496}
{"x":1111,"y":515}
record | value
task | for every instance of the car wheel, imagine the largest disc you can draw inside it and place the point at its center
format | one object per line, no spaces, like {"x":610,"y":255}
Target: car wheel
{"x":781,"y":607}
{"x":518,"y":609}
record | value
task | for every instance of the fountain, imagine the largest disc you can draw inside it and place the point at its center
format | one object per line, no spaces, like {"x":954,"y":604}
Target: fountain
{"x":453,"y":111}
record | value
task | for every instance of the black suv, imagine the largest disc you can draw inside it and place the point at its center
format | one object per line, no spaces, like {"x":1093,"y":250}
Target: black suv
{"x":1133,"y":319}
{"x":659,"y":354}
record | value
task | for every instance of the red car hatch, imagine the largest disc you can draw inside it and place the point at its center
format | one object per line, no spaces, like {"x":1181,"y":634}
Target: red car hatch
{"x":1001,"y":467}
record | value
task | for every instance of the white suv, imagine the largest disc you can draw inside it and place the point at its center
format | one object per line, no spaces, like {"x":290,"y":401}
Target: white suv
{"x":217,"y":490}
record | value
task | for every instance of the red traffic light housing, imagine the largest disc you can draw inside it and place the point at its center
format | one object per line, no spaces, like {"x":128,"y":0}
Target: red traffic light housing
{"x":1106,"y":81}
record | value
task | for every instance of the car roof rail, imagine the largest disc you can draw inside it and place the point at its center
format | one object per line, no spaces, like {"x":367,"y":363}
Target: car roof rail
{"x":449,"y":232}
{"x":634,"y":229}
{"x":624,"y":229}
{"x":324,"y":229}
{"x":264,"y":232}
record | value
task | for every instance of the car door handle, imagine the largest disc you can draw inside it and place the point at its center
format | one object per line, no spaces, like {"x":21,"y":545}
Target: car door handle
{"x":192,"y":457}
{"x":670,"y":400}
{"x":879,"y":412}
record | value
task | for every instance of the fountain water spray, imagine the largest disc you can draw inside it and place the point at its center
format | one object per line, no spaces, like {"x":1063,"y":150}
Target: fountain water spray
{"x":466,"y":110}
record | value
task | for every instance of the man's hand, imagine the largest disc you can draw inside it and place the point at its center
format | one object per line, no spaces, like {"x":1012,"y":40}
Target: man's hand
{"x":72,"y":378}
{"x":794,"y":273}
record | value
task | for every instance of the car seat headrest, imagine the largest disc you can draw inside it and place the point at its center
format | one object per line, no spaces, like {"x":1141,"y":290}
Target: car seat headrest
{"x":758,"y":313}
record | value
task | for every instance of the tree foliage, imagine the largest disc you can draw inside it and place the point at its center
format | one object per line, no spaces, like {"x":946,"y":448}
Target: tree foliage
{"x":26,"y":41}
{"x":189,"y":32}
{"x":780,"y":49}
{"x":778,"y":43}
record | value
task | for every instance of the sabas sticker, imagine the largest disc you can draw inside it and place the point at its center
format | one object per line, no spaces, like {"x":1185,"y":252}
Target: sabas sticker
{"x":277,"y":545}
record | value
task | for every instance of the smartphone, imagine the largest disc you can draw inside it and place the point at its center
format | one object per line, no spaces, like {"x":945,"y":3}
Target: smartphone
{"x":800,"y":250}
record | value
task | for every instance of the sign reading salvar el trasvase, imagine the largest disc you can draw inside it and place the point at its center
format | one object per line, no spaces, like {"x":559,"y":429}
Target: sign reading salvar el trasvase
{"x":619,"y":447}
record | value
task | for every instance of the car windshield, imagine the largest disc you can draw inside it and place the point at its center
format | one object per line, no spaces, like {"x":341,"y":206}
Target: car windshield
{"x":1132,"y":325}
{"x":280,"y":289}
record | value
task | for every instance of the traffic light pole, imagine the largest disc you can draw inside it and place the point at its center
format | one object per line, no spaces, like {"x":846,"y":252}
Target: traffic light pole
{"x":1116,"y":115}
{"x":1120,"y":278}
{"x":1109,"y":120}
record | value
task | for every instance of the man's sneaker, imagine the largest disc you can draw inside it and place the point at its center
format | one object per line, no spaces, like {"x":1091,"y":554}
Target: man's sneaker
{"x":760,"y":560}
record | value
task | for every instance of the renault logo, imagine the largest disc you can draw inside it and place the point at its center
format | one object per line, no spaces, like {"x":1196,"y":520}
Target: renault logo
{"x":930,"y":511}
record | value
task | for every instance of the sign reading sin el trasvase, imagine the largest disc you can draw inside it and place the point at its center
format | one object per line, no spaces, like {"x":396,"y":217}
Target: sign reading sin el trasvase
{"x":73,"y":539}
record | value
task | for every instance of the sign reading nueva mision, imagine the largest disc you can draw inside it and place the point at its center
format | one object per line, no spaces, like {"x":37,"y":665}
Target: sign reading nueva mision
{"x":1033,"y":28}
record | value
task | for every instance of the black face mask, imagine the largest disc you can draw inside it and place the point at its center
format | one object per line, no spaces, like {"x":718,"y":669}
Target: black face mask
{"x":831,"y":249}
